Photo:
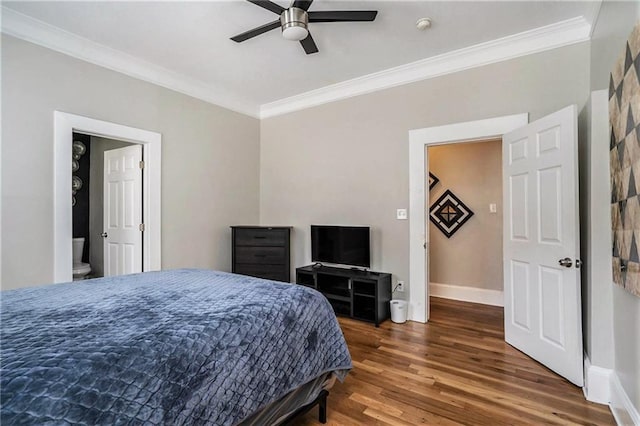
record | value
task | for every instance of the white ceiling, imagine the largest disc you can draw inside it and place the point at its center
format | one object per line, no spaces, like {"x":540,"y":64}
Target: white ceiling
{"x":192,"y":38}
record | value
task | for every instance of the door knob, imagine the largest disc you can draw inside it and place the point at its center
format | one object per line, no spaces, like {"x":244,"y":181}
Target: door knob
{"x":104,"y":235}
{"x":566,"y":262}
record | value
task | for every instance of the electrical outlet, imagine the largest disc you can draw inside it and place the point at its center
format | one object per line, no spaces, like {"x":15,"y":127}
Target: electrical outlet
{"x":400,"y":286}
{"x":401,"y":214}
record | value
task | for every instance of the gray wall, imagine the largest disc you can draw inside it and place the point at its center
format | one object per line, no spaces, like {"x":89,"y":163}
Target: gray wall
{"x":347,"y":162}
{"x":210,"y":159}
{"x":615,"y":20}
{"x":472,"y":257}
{"x":614,"y":25}
{"x":96,"y":201}
{"x":626,"y":334}
{"x":595,"y":231}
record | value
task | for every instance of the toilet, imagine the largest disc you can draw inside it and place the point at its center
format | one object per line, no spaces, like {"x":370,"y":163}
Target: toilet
{"x":80,"y":269}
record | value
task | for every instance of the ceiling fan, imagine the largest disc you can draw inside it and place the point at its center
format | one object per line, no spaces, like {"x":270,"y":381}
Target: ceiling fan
{"x":295,"y":20}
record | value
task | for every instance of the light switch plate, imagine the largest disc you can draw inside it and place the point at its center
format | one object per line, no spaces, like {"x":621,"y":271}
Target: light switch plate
{"x":493,"y":208}
{"x":401,"y":214}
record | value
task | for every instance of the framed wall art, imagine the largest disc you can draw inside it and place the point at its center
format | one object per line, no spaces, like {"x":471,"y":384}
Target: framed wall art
{"x":449,"y":213}
{"x":624,"y":159}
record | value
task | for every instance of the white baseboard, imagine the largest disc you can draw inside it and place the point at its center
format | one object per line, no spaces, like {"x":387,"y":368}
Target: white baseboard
{"x":621,"y":406}
{"x":467,"y":294}
{"x":597,"y":382}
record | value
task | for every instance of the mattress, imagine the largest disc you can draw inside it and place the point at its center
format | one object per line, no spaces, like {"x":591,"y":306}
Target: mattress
{"x":172,"y":347}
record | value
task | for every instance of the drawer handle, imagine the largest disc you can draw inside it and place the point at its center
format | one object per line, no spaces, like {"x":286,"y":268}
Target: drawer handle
{"x":259,"y":238}
{"x":260,"y":255}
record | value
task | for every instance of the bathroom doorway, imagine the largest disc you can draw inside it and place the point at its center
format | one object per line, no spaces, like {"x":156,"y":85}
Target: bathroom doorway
{"x":65,"y":125}
{"x":97,"y":244}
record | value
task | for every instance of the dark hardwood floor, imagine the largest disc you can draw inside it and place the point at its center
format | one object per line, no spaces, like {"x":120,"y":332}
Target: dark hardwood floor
{"x":456,"y":369}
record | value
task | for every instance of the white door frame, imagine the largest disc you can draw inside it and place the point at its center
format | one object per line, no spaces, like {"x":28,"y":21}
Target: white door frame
{"x":64,"y":126}
{"x":419,"y":139}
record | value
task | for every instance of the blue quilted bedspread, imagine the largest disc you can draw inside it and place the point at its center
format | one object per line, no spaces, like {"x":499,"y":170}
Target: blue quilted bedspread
{"x":173,"y":347}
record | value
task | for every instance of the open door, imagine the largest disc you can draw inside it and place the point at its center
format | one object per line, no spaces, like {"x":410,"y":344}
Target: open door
{"x":123,"y":211}
{"x":542,"y":308}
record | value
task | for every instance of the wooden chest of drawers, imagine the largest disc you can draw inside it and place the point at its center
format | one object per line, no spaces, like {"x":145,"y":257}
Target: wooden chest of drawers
{"x":262,"y":252}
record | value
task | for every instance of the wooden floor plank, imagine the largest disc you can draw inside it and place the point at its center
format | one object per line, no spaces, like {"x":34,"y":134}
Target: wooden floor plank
{"x":456,"y":369}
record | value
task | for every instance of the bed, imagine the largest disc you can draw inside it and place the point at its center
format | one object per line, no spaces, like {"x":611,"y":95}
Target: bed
{"x":172,"y":347}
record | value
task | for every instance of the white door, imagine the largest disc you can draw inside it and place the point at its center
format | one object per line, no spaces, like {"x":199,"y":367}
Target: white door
{"x":542,"y":315}
{"x":123,"y":211}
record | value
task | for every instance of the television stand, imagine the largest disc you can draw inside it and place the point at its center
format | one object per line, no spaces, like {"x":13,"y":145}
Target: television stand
{"x":363,"y":295}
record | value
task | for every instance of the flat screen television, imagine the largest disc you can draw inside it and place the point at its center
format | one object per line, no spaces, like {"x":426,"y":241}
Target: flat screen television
{"x":345,"y":245}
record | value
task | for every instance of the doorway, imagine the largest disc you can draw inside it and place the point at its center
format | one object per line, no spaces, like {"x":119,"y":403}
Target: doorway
{"x":418,"y":193}
{"x":465,"y":221}
{"x":90,"y":201}
{"x":541,"y":290}
{"x":65,"y":125}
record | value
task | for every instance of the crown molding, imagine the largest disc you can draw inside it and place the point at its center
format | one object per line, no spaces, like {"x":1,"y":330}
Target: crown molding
{"x":549,"y":37}
{"x":32,"y":30}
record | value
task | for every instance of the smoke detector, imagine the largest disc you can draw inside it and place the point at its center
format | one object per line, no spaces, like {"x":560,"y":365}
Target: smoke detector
{"x":423,"y":23}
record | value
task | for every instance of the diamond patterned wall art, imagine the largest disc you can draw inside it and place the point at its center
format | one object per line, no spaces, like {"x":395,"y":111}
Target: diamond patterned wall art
{"x":448,"y":213}
{"x":624,"y":159}
{"x":433,"y":180}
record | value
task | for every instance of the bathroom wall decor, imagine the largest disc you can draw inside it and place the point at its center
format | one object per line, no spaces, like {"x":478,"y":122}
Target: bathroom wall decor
{"x":448,"y":213}
{"x":76,"y":183}
{"x":624,"y":159}
{"x":433,"y":180}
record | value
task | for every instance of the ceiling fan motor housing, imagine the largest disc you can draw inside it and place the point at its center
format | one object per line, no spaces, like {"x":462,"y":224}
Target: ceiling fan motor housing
{"x":294,"y":23}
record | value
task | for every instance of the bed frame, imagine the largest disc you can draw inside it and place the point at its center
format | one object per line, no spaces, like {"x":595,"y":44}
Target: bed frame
{"x":320,"y":401}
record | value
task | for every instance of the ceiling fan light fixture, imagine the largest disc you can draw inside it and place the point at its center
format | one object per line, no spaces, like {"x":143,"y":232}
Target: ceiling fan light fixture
{"x":295,"y":32}
{"x":294,"y":24}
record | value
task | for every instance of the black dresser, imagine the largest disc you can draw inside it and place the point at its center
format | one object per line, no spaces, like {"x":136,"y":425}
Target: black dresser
{"x":262,"y":251}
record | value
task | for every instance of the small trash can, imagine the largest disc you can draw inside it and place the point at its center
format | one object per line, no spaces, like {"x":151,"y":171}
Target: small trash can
{"x":398,"y":311}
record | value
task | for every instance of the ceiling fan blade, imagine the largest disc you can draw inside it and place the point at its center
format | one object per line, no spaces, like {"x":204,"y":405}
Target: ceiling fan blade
{"x":269,"y":5}
{"x":343,"y":16}
{"x":302,"y":4}
{"x":256,"y":31}
{"x":309,"y":45}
